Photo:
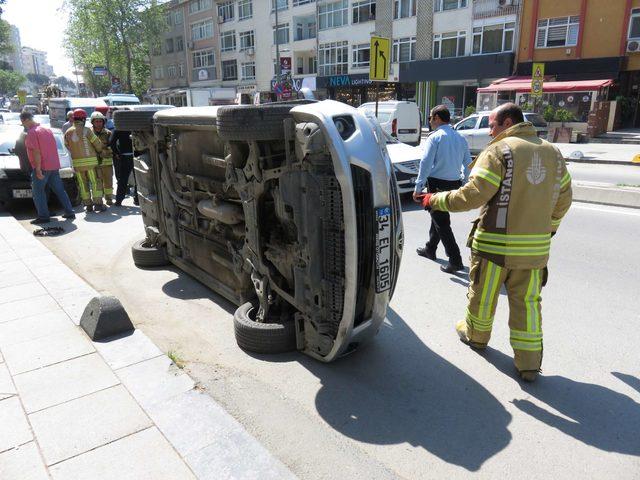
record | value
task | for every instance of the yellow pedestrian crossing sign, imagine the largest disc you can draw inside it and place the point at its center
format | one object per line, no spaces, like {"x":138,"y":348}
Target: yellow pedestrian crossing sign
{"x":537,"y":79}
{"x":379,"y":59}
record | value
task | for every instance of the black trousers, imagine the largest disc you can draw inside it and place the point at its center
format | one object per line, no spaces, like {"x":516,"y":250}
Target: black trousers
{"x":123,"y":165}
{"x":441,"y":222}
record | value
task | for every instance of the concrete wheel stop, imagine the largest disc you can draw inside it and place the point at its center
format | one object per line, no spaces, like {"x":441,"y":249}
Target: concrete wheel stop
{"x":104,"y":317}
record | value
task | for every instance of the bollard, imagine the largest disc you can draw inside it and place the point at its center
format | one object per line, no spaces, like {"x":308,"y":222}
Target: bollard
{"x":104,"y":317}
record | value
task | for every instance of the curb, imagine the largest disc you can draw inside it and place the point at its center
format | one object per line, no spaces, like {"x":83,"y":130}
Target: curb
{"x":606,"y":194}
{"x":602,"y":162}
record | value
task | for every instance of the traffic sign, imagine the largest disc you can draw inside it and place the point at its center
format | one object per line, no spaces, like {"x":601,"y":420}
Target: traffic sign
{"x":379,"y":59}
{"x":100,"y":71}
{"x":537,"y":79}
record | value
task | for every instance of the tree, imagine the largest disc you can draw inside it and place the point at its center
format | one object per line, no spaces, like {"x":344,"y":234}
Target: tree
{"x":38,"y":79}
{"x":64,"y":82}
{"x":6,"y":45}
{"x":10,"y":82}
{"x":113,"y":34}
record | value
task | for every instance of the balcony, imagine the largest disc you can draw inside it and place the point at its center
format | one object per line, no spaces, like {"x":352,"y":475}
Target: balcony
{"x":494,"y":8}
{"x":304,"y":28}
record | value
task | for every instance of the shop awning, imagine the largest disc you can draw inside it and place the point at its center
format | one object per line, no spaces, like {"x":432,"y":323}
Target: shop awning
{"x":523,"y":85}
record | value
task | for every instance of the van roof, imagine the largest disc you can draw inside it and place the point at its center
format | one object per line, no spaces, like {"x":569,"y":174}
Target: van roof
{"x":79,"y":102}
{"x":388,"y":103}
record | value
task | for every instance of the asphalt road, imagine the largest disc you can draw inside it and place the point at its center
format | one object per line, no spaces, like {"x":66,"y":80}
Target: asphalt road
{"x":614,"y":174}
{"x":416,"y":403}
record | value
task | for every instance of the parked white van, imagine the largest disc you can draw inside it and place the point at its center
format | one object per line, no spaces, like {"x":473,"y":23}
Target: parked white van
{"x":400,"y":119}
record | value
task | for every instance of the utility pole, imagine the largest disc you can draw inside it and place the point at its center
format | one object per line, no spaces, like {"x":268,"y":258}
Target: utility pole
{"x":278,"y":64}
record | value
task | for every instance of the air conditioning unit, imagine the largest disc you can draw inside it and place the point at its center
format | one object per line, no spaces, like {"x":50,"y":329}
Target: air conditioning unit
{"x":250,"y":51}
{"x":190,"y":45}
{"x":506,"y":3}
{"x":633,"y":46}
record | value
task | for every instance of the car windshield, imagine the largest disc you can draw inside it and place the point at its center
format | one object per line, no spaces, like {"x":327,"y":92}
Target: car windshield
{"x":535,"y":119}
{"x":11,"y":118}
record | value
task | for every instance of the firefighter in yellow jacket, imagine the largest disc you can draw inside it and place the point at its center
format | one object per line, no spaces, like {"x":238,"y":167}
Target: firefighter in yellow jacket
{"x":105,"y":157}
{"x":84,"y":147}
{"x":523,"y":188}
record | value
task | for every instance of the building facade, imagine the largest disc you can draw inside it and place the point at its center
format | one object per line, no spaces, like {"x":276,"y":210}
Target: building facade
{"x":14,"y":59}
{"x":35,"y":62}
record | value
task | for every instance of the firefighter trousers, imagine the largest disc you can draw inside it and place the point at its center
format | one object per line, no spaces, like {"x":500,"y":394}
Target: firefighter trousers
{"x":105,"y":172}
{"x":89,"y":185}
{"x":525,"y":315}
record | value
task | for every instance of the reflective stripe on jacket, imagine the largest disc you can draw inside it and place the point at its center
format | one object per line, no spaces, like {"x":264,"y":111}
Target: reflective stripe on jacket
{"x":106,"y":155}
{"x":83,"y":146}
{"x":523,"y":186}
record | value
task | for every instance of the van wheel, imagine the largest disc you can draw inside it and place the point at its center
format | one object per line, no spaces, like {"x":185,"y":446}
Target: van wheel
{"x":145,"y":255}
{"x":252,"y":123}
{"x":133,"y":120}
{"x":257,"y":337}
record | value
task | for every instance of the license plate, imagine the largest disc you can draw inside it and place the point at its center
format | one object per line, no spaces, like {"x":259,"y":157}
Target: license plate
{"x":22,"y":193}
{"x":406,"y":130}
{"x":383,"y":249}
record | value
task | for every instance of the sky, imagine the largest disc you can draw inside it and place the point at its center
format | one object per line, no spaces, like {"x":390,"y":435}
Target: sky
{"x":41,"y":24}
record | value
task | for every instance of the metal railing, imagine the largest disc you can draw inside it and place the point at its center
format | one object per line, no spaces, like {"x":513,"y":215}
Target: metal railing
{"x":495,"y":8}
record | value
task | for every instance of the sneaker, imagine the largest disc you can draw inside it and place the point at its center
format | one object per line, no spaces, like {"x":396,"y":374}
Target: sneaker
{"x":426,"y":253}
{"x":69,"y":216}
{"x":528,"y":375}
{"x":88,"y":208}
{"x":39,"y":221}
{"x":461,"y":328}
{"x":451,"y":268}
{"x":99,"y":208}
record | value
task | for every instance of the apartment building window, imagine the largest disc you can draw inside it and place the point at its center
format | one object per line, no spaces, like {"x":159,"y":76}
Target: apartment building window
{"x":204,"y":59}
{"x":302,"y":2}
{"x":179,"y":44}
{"x":333,"y":15}
{"x":157,"y":72}
{"x":404,"y":8}
{"x":282,"y":5}
{"x":156,"y":49}
{"x":404,"y":49}
{"x":199,"y":5}
{"x":168,"y":45}
{"x":248,"y":71}
{"x":178,"y":19}
{"x":558,"y":32}
{"x":364,"y":11}
{"x":281,"y":34}
{"x":172,"y":71}
{"x":247,"y":40}
{"x":245,"y":9}
{"x":493,"y":38}
{"x":202,"y":30}
{"x":225,"y":11}
{"x":333,"y":58}
{"x":313,"y":64}
{"x":449,"y":44}
{"x":168,"y":18}
{"x":444,"y":5}
{"x":229,"y":70}
{"x":360,"y":56}
{"x":181,"y":70}
{"x":305,"y":29}
{"x":228,"y":41}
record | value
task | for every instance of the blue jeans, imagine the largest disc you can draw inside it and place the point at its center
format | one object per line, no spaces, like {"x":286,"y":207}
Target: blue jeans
{"x":51,"y":178}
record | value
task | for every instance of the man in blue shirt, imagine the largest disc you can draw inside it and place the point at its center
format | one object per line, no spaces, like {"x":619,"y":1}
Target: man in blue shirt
{"x":444,"y":164}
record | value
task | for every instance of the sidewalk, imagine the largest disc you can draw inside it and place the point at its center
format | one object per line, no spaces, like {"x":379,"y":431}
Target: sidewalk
{"x":75,"y":409}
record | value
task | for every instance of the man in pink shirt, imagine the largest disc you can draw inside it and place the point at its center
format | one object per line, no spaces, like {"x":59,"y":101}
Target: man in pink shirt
{"x":43,"y":157}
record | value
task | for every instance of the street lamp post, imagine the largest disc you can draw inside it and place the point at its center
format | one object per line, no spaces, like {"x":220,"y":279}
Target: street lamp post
{"x":278,"y":64}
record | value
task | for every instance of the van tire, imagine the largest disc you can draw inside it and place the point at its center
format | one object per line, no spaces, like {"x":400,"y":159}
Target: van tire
{"x":252,"y":123}
{"x":148,"y":256}
{"x":133,"y":120}
{"x":265,"y":337}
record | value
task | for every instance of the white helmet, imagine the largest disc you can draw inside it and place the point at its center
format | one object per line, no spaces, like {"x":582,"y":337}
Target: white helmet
{"x":97,"y":116}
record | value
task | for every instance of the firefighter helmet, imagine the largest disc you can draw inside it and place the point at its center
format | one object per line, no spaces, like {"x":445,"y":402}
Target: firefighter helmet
{"x":97,"y":116}
{"x":79,"y":114}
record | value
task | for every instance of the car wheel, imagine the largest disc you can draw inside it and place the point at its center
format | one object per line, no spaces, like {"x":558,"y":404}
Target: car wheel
{"x":133,"y":120}
{"x":253,"y":123}
{"x":257,"y":337}
{"x":145,"y":255}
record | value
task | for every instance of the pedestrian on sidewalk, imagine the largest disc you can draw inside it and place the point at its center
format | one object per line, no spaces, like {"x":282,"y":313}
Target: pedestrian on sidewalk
{"x":523,"y":186}
{"x":444,"y":165}
{"x":105,"y":157}
{"x":123,"y":163}
{"x":69,"y":123}
{"x":42,"y":152}
{"x":84,"y":147}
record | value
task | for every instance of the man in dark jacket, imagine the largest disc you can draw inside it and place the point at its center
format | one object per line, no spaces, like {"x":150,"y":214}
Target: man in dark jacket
{"x":122,"y":163}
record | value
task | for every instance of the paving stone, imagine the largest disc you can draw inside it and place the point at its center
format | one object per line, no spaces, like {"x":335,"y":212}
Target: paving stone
{"x":127,"y":350}
{"x":27,"y":307}
{"x":21,"y":292}
{"x":22,"y":463}
{"x":14,"y":273}
{"x":58,"y":278}
{"x":6,"y":385}
{"x":155,"y":380}
{"x":30,"y":250}
{"x":33,"y":327}
{"x":144,"y":455}
{"x":26,"y":356}
{"x":41,"y":262}
{"x":83,"y":424}
{"x":64,"y":381}
{"x":14,"y":427}
{"x":7,"y":256}
{"x":74,"y":301}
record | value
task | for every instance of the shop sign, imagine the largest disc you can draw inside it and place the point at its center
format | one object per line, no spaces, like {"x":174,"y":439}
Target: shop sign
{"x":537,"y":80}
{"x":347,"y":81}
{"x":285,"y":65}
{"x":203,"y":74}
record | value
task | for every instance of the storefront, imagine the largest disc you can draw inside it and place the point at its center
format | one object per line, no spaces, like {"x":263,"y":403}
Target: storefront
{"x":357,"y":89}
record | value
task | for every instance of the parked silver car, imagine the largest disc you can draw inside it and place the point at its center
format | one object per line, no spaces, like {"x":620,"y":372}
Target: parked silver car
{"x":289,"y":210}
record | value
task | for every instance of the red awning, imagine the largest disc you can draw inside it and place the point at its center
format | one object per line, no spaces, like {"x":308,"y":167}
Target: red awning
{"x":523,"y":85}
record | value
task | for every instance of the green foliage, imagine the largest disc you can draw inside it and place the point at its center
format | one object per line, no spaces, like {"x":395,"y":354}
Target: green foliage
{"x":64,"y":83}
{"x":115,"y":34}
{"x":470,"y":110}
{"x":549,"y":113}
{"x":10,"y":82}
{"x":563,"y":115}
{"x":38,"y":79}
{"x":526,"y":107}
